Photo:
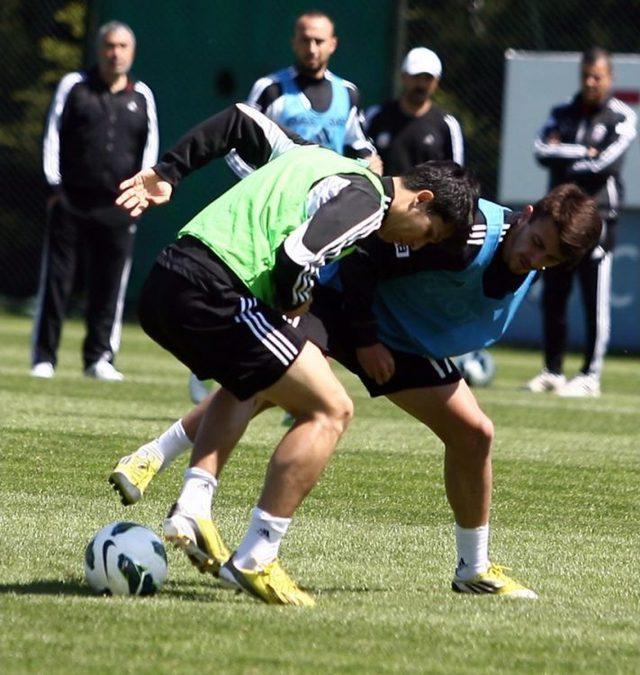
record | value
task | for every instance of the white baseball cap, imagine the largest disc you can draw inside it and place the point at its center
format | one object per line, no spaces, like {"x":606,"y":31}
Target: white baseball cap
{"x":422,"y":60}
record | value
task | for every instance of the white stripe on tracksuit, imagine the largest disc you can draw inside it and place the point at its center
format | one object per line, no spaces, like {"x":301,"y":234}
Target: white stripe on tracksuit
{"x":271,"y":338}
{"x":37,"y":316}
{"x":306,"y":278}
{"x":150,"y":152}
{"x":457,"y":142}
{"x":603,"y":315}
{"x":116,"y":328}
{"x":51,"y":142}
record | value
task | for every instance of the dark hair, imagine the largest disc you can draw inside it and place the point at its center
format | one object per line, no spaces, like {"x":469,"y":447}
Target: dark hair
{"x":576,"y":216}
{"x":316,"y":14}
{"x":455,"y":193}
{"x":595,"y":54}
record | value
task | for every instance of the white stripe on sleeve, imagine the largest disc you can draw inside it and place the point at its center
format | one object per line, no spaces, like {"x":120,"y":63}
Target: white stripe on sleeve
{"x":457,"y":142}
{"x":150,"y":153}
{"x":277,"y":139}
{"x":51,"y":143}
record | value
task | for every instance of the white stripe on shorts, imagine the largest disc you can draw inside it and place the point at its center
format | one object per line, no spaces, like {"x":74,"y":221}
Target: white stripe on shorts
{"x":277,"y":343}
{"x":437,"y":368}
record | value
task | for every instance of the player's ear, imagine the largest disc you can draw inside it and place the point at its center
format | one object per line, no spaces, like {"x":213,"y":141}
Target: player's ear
{"x":527,"y":211}
{"x":424,"y":196}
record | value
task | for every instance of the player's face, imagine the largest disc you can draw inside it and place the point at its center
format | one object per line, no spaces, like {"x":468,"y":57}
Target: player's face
{"x":115,"y":55}
{"x":313,"y":44}
{"x":595,"y":80}
{"x":533,"y":245}
{"x":416,"y":226}
{"x":419,"y":88}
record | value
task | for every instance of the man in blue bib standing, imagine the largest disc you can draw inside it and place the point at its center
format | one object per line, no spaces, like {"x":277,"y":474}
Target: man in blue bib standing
{"x":311,"y":100}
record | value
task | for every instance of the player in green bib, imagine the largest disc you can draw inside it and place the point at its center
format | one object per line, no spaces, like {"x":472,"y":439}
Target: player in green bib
{"x":216,"y":298}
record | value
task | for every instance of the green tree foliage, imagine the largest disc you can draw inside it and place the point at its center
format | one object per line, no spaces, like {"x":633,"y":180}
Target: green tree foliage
{"x":41,"y":42}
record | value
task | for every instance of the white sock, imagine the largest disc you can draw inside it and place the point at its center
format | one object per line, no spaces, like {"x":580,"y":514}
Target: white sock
{"x":473,"y":550}
{"x":262,"y":540}
{"x":197,"y":492}
{"x":173,"y":442}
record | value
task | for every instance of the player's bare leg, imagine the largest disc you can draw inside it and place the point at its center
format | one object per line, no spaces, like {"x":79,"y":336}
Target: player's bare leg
{"x":453,"y":414}
{"x":322,"y":410}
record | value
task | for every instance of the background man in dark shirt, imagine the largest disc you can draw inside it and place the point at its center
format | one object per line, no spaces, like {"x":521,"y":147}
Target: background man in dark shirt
{"x":584,"y":142}
{"x":412,"y":129}
{"x":101,"y":127}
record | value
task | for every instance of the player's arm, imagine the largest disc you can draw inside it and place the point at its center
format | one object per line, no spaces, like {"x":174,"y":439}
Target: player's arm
{"x":264,"y":94}
{"x":356,"y":142}
{"x":548,"y":147}
{"x":455,"y":139}
{"x":152,"y":142}
{"x":359,"y":279}
{"x":343,"y":209}
{"x":254,"y":137}
{"x":607,"y":159}
{"x":372,"y":262}
{"x":51,"y":141}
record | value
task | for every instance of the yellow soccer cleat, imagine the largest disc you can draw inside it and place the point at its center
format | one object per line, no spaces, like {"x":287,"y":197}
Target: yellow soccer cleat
{"x":198,"y":538}
{"x":133,"y":473}
{"x":270,"y":584}
{"x":493,"y":582}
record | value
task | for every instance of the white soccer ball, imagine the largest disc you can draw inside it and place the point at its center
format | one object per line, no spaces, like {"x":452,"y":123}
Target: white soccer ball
{"x":478,"y":368}
{"x":125,"y":559}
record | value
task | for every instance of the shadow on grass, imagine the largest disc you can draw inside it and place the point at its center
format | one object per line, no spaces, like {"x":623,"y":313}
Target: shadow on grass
{"x":48,"y":587}
{"x":182,"y":590}
{"x":346,"y":589}
{"x":189,"y":591}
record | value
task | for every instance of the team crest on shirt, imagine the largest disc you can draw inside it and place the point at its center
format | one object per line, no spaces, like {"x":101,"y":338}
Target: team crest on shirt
{"x":402,"y":251}
{"x":598,"y":133}
{"x":383,"y":139}
{"x":132,"y":106}
{"x":429,"y":139}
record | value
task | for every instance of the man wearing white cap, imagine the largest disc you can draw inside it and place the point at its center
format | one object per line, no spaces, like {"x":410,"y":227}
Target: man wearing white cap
{"x":411,"y":129}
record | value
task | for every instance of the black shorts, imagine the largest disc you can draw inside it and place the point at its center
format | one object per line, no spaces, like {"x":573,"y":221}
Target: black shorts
{"x":327,"y":326}
{"x":207,"y":318}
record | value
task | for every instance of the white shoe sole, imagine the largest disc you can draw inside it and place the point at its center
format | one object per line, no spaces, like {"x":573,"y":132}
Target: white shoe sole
{"x":178,"y":531}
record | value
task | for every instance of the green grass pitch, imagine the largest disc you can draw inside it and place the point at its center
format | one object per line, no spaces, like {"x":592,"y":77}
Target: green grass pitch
{"x":374,"y":541}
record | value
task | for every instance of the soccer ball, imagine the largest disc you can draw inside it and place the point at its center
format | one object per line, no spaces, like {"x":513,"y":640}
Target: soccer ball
{"x":125,"y":559}
{"x":478,"y":368}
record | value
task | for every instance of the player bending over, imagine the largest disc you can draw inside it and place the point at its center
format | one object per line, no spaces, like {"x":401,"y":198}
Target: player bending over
{"x":215,"y":299}
{"x":398,"y":316}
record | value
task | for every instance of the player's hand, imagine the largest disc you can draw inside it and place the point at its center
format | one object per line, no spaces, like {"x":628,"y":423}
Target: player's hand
{"x":298,"y":311}
{"x":375,"y":164}
{"x":592,"y":152}
{"x":141,"y":191}
{"x":377,"y":362}
{"x":554,"y":138}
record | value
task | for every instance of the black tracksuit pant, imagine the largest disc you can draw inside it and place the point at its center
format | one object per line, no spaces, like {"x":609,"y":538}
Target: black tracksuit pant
{"x":594,"y":276}
{"x":104,"y":238}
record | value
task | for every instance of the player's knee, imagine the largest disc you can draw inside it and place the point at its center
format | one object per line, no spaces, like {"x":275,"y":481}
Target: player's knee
{"x":338,"y":413}
{"x":483,"y":432}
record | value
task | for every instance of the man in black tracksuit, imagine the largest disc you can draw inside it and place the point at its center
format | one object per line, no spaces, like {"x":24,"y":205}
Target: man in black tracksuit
{"x":101,"y":128}
{"x":584,"y":142}
{"x":412,"y":129}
